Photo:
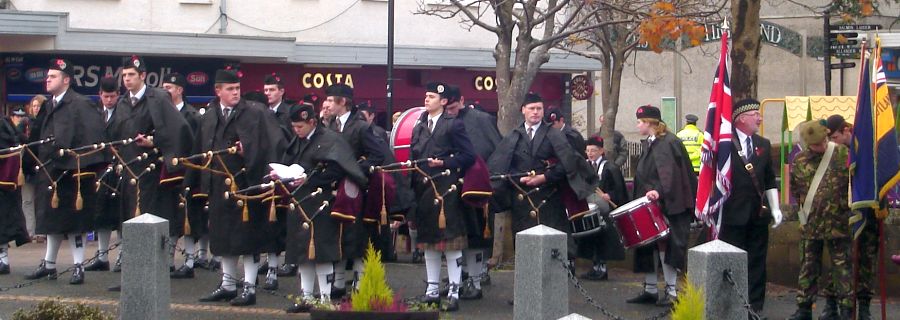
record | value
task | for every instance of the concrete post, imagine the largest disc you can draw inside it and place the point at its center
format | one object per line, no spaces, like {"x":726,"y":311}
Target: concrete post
{"x":146,"y":290}
{"x":706,"y":265}
{"x":541,"y":284}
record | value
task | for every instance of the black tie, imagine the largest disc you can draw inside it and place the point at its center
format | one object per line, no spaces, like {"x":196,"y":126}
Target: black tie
{"x":52,"y":104}
{"x":749,"y":151}
{"x":596,"y":165}
{"x":430,"y":125}
{"x":227,"y":112}
{"x":530,"y":133}
{"x":340,"y":125}
{"x":107,"y":114}
{"x":134,"y":101}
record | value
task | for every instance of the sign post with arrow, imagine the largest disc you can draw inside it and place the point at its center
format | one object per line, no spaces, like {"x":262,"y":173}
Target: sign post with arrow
{"x":842,"y":41}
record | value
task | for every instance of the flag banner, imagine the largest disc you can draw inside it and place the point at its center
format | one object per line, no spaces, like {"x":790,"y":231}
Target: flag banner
{"x":887,"y":155}
{"x":714,"y":182}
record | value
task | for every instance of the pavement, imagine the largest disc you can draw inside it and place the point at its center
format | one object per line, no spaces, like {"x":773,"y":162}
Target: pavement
{"x":406,"y":279}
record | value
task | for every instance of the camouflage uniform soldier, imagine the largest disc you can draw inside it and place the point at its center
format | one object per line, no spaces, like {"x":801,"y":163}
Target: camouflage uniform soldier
{"x":826,"y":224}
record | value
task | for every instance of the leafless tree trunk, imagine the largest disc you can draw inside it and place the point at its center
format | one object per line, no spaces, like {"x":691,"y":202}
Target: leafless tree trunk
{"x":745,"y":48}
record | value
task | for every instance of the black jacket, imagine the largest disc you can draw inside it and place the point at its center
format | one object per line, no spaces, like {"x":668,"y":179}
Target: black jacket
{"x":743,"y":205}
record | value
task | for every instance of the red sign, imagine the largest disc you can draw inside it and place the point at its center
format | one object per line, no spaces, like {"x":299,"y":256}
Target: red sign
{"x":197,"y":78}
{"x":369,"y":82}
{"x":581,"y":87}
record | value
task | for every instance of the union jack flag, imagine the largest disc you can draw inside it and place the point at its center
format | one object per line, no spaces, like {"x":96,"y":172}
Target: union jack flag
{"x":714,"y":183}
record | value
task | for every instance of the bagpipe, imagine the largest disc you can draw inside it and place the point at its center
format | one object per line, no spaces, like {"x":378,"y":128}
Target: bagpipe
{"x":205,"y":164}
{"x":11,"y":174}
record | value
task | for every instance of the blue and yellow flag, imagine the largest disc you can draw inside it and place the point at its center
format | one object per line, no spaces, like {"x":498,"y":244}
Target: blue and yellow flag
{"x":874,"y":154}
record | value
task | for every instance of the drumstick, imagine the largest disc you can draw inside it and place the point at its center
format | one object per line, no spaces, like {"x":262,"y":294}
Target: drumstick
{"x":601,"y":194}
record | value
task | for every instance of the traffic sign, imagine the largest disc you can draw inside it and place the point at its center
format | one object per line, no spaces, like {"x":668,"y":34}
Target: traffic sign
{"x":855,"y":27}
{"x":842,"y":65}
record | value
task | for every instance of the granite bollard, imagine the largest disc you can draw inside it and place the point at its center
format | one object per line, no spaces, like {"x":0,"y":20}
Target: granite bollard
{"x":541,"y":282}
{"x":146,"y":290}
{"x":707,"y":265}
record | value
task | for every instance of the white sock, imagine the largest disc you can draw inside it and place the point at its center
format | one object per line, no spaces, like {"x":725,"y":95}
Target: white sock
{"x":323,"y":270}
{"x":190,"y":249}
{"x":76,"y":242}
{"x":307,"y":273}
{"x":251,"y":265}
{"x":173,"y":240}
{"x":339,"y":274}
{"x":203,"y":243}
{"x":432,"y":272}
{"x":650,"y":283}
{"x":229,"y":273}
{"x":669,"y":274}
{"x":454,"y":271}
{"x":53,"y":243}
{"x":274,"y":261}
{"x":474,"y":259}
{"x":4,"y":253}
{"x":413,"y":234}
{"x":103,"y":236}
{"x":358,"y":267}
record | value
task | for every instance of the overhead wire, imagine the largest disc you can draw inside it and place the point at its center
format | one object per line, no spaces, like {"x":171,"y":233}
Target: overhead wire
{"x":298,"y":30}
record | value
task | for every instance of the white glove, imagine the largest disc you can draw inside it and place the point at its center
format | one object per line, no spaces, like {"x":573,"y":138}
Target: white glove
{"x":774,"y":206}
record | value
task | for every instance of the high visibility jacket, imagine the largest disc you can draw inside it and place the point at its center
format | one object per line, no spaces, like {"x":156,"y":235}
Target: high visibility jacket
{"x":692,"y":138}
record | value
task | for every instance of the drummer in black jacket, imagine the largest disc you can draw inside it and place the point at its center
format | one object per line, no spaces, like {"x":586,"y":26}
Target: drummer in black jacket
{"x":606,"y":245}
{"x":664,"y":174}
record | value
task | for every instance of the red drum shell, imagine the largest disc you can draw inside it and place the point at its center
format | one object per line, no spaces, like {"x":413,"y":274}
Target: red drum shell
{"x":401,"y":136}
{"x":640,"y":222}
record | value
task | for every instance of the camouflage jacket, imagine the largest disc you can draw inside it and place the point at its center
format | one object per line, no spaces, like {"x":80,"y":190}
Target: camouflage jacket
{"x":829,"y":213}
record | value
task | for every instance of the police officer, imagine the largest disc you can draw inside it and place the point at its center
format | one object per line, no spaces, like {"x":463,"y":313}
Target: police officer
{"x":692,"y":138}
{"x":823,"y":222}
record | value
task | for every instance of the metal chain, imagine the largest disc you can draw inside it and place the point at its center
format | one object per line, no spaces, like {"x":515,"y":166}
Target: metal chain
{"x":728,"y":275}
{"x":590,"y":300}
{"x":70,"y":269}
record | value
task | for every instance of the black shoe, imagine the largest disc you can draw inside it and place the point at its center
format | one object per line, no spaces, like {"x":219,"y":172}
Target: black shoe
{"x":214,"y":265}
{"x":595,"y":275}
{"x":338,"y":293}
{"x":667,"y":300}
{"x":220,"y":294}
{"x":184,"y":272}
{"x":42,"y":271}
{"x":426,"y":299}
{"x":246,"y":298}
{"x":4,"y":268}
{"x":801,"y":314}
{"x":117,"y":288}
{"x":287,"y":270}
{"x":470,"y":294}
{"x":643,"y":298}
{"x":201,"y":263}
{"x":77,"y":275}
{"x":271,"y":284}
{"x":830,"y":312}
{"x":299,"y":308}
{"x":97,"y":265}
{"x":171,"y":269}
{"x":451,"y":305}
{"x":486,"y":279}
{"x":417,"y":256}
{"x":263,"y":268}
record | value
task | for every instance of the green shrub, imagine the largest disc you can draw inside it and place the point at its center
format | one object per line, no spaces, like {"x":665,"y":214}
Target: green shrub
{"x":57,"y":310}
{"x":691,"y":302}
{"x":374,"y":294}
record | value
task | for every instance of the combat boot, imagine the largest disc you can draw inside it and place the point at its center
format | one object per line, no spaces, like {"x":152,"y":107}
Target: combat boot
{"x":802,"y":313}
{"x":863,"y":306}
{"x":831,"y":310}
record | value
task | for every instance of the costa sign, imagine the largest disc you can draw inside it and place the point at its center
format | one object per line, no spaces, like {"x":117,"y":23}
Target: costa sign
{"x":319,"y":80}
{"x":485,"y":83}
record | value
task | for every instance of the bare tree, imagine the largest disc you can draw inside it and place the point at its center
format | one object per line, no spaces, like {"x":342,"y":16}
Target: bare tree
{"x":526,"y":30}
{"x":650,"y":24}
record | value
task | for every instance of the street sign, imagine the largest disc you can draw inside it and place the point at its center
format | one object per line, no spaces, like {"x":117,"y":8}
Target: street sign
{"x":855,"y":27}
{"x":845,"y":52}
{"x":836,"y":47}
{"x":842,"y":65}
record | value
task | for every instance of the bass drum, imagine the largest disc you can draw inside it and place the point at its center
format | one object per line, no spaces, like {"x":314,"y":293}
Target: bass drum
{"x":401,"y":136}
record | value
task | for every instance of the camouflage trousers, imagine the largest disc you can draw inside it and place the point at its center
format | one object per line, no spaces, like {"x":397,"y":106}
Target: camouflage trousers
{"x":868,"y":257}
{"x":839,"y":285}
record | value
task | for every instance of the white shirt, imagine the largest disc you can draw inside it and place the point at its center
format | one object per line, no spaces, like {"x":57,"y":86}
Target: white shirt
{"x":310,"y":133}
{"x":534,"y":129}
{"x":742,"y":139}
{"x":275,"y":107}
{"x":58,"y":98}
{"x":179,"y":106}
{"x":434,"y":120}
{"x":140,"y":93}
{"x":342,"y":120}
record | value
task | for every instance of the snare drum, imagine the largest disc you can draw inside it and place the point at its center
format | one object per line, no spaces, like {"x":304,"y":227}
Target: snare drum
{"x":587,"y":224}
{"x":640,"y":222}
